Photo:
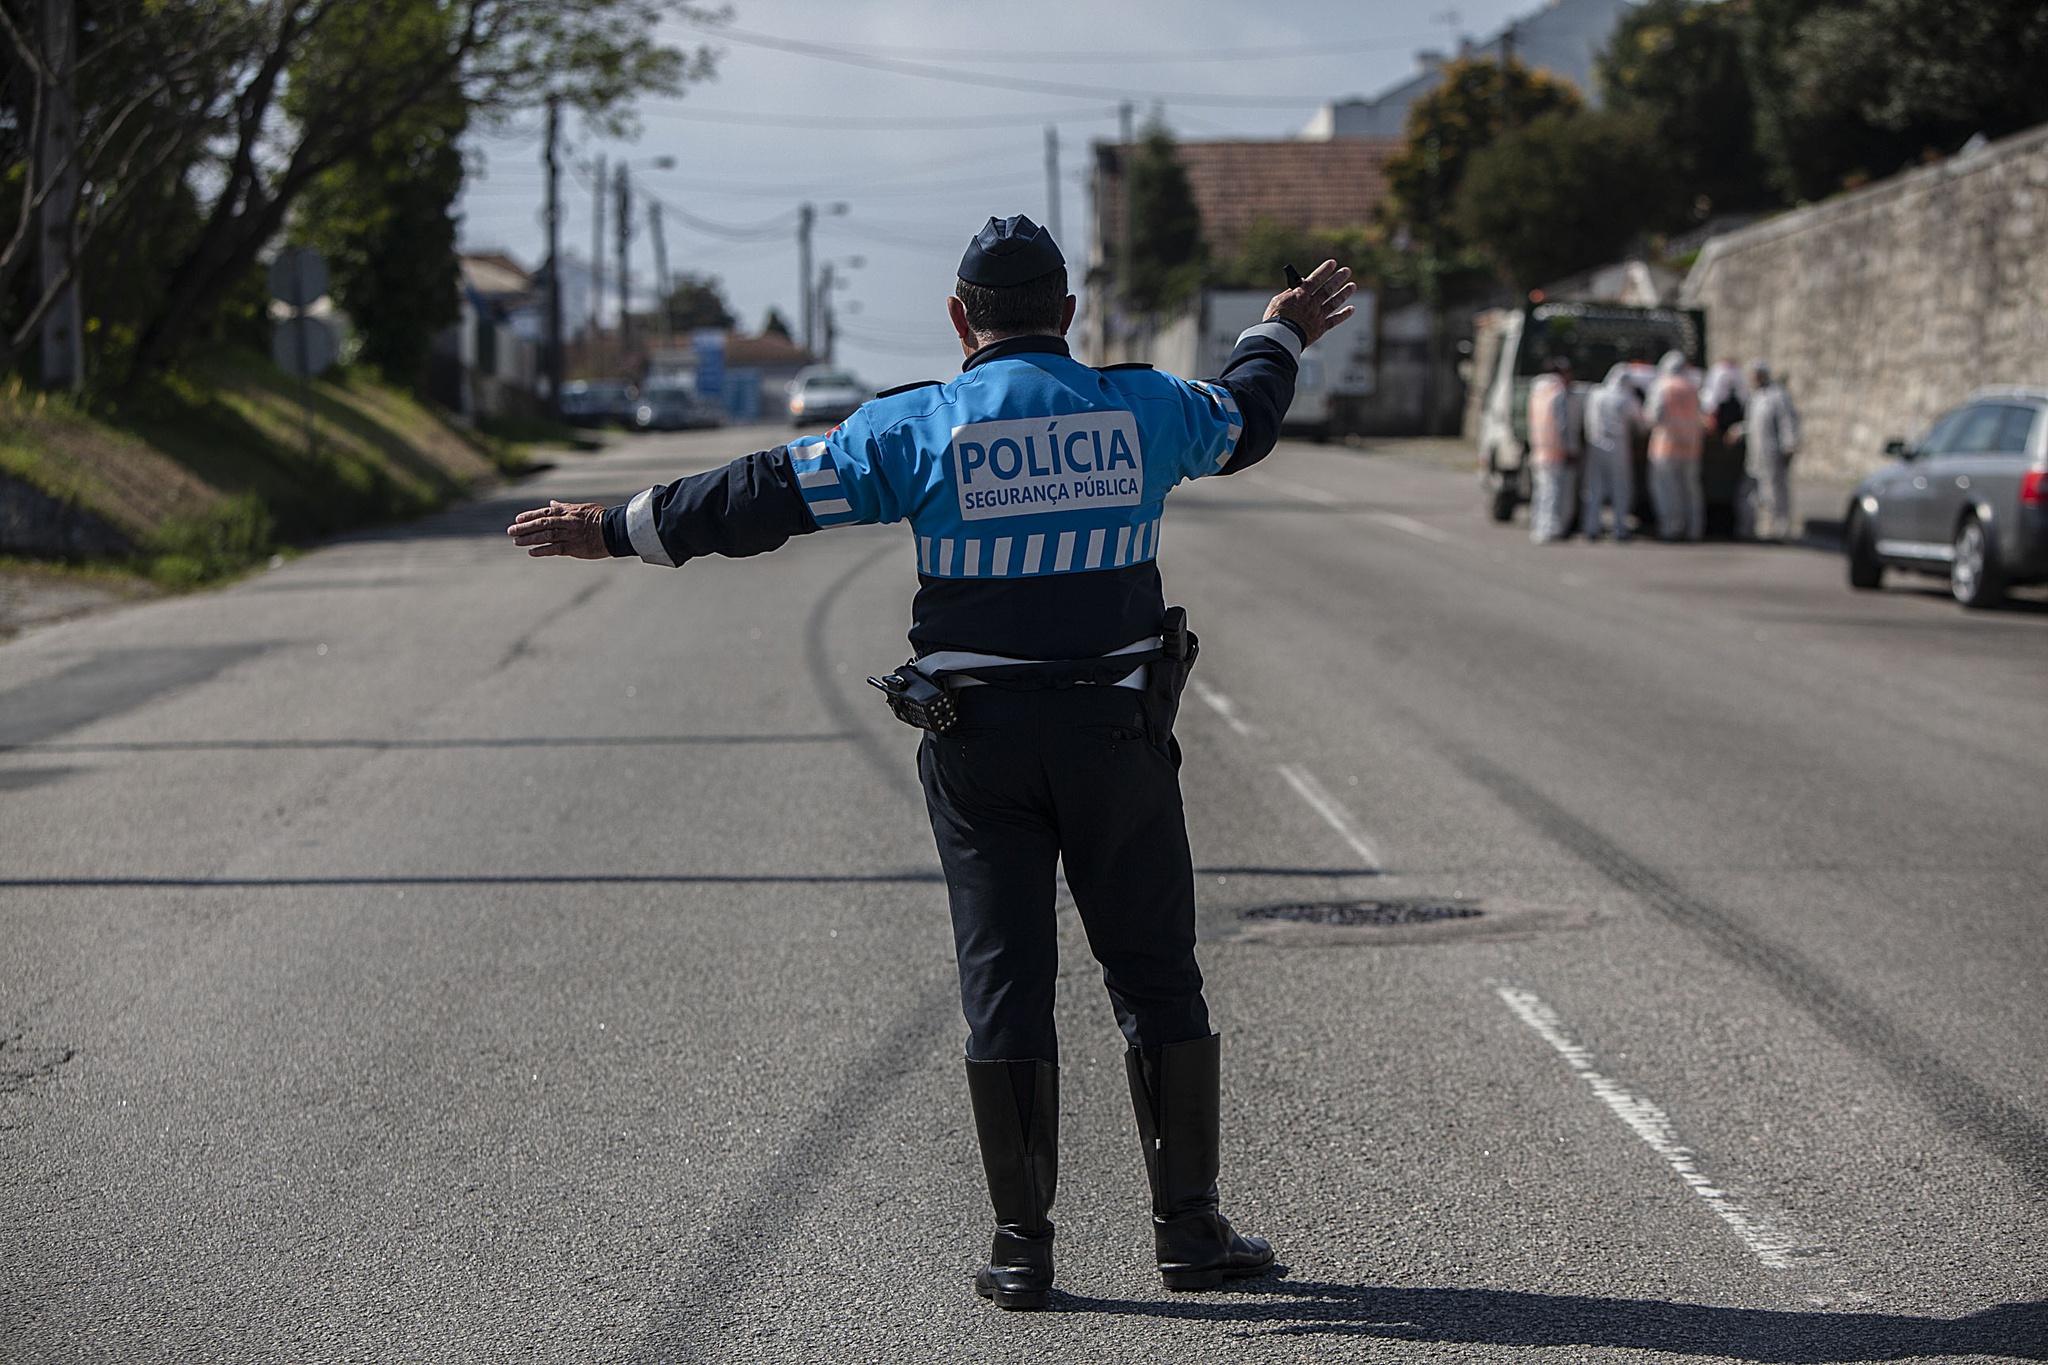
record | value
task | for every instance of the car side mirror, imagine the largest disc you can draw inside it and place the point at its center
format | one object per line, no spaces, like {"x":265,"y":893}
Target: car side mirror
{"x":1896,"y":449}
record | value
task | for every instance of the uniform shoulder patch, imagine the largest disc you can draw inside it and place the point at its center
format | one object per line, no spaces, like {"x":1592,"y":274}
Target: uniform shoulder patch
{"x":906,"y":388}
{"x":1126,"y":365}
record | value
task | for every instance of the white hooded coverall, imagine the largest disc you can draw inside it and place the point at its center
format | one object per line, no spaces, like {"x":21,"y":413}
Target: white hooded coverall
{"x":1772,"y":426}
{"x":1614,"y":418}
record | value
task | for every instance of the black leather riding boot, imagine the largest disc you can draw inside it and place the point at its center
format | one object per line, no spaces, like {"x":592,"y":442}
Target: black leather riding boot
{"x":1017,"y":1117}
{"x":1177,"y":1093}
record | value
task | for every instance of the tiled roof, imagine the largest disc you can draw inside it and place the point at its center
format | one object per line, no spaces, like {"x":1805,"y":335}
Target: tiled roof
{"x":1310,"y":185}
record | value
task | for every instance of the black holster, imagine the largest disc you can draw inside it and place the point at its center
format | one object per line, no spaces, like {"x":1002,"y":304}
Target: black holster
{"x":1168,"y":676}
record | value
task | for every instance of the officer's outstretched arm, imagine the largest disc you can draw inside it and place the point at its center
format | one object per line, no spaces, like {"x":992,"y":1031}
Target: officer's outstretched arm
{"x":751,"y":506}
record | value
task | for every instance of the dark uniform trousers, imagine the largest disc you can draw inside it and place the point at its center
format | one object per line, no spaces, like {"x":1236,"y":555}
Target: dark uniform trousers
{"x":1028,"y":779}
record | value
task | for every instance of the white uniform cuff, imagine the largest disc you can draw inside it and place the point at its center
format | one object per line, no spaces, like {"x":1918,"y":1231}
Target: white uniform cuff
{"x":1275,"y":331}
{"x":640,"y":530}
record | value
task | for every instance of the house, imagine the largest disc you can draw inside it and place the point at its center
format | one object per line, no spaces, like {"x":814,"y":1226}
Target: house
{"x":753,"y":371}
{"x":1565,"y":38}
{"x":1298,"y":184}
{"x":487,"y":363}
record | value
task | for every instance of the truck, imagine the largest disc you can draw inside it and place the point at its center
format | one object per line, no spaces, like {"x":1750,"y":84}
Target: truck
{"x":1594,"y":337}
{"x":1197,"y":344}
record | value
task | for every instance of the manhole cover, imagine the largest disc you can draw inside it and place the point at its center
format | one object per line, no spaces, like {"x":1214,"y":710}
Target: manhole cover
{"x":1380,"y":913}
{"x":1394,"y":919}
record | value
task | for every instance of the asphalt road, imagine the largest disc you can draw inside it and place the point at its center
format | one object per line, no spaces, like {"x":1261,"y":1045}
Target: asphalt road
{"x":421,"y":952}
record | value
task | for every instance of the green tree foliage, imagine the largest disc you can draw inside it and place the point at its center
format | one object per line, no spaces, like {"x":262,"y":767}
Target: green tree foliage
{"x":698,"y":301}
{"x":1477,"y":100}
{"x":1680,"y":64}
{"x":1168,"y":257}
{"x":148,"y":84}
{"x":774,"y":324}
{"x":1852,"y":90}
{"x":1565,"y":193}
{"x":385,"y":220}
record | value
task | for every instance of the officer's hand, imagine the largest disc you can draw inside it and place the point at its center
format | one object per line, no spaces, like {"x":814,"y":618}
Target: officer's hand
{"x":575,"y":529}
{"x":1317,"y":304}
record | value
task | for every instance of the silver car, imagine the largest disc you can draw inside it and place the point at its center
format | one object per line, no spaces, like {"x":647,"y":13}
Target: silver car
{"x":1968,"y":499}
{"x":820,"y":396}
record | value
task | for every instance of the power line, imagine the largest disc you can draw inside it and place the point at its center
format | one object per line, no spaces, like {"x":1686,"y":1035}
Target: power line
{"x":881,"y":123}
{"x":832,"y":53}
{"x":1097,"y":56}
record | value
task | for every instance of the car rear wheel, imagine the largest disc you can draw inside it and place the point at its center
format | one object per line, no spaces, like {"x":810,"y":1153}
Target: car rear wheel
{"x":1973,"y":575}
{"x":1866,"y":570}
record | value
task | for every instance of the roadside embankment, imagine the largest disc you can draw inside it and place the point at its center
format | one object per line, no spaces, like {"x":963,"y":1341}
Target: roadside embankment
{"x":212,"y":469}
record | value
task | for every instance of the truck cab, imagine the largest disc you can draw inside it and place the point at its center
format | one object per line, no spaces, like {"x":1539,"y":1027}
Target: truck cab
{"x":1594,"y":337}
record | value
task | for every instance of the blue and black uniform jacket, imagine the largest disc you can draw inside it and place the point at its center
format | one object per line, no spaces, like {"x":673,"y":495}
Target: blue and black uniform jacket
{"x":1034,"y":486}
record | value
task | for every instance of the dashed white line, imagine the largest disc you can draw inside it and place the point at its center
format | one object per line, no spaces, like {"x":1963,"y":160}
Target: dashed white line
{"x":1226,"y":708}
{"x":1773,"y":1246}
{"x":1323,"y":804}
{"x":1295,"y":490}
{"x":1413,"y":527}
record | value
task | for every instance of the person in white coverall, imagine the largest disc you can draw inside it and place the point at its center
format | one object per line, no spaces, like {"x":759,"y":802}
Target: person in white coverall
{"x":1676,"y":434}
{"x":1771,"y":425}
{"x":1614,"y":418}
{"x":1553,"y":439}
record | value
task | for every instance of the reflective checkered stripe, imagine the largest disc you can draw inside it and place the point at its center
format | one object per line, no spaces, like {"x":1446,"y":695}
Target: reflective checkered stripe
{"x":818,"y":479}
{"x":1229,"y":406}
{"x":1029,"y":556}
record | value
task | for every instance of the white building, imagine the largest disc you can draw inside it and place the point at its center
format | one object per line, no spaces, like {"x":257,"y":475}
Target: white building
{"x":1563,"y":38}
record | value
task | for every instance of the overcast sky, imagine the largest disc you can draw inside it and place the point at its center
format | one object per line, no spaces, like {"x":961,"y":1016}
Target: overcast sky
{"x":943,"y":127}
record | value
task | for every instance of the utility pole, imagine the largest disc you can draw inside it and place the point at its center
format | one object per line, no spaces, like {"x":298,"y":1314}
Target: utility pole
{"x":597,"y":258}
{"x":1123,"y":247}
{"x":805,"y":216}
{"x":1052,"y":179}
{"x":825,"y":323}
{"x":662,"y":283}
{"x":551,"y":361}
{"x":625,"y":229}
{"x":63,"y":349}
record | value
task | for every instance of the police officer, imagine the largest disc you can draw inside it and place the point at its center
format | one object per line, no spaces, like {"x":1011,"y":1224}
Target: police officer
{"x":1049,"y":667}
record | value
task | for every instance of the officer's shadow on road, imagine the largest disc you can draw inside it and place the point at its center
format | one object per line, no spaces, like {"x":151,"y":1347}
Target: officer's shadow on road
{"x":1493,"y":1317}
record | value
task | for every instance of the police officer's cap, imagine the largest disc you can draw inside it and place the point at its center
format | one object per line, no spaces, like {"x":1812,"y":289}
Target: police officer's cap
{"x":1010,"y":251}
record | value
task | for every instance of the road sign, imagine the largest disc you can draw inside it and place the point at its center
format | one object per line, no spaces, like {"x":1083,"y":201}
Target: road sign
{"x":304,"y":345}
{"x":298,"y":277}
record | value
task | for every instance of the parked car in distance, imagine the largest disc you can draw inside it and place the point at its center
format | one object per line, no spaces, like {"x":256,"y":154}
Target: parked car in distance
{"x":821,"y":396}
{"x":671,"y":407}
{"x":597,"y":402}
{"x":1967,"y":499}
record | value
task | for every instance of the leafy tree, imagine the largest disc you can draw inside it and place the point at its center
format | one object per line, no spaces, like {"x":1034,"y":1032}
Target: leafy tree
{"x":1477,"y":100}
{"x":1681,"y":65}
{"x":1565,"y":193}
{"x":775,"y":324}
{"x":1168,"y":256}
{"x":1921,"y":75}
{"x":698,"y":301}
{"x":314,"y":82}
{"x":385,"y":221}
{"x":149,"y":83}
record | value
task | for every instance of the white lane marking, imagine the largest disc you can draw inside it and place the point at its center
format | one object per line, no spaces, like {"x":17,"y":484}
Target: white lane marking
{"x":1773,"y":1246}
{"x":1293,"y":489}
{"x":1323,"y":804}
{"x":1412,"y":527}
{"x":1226,"y":708}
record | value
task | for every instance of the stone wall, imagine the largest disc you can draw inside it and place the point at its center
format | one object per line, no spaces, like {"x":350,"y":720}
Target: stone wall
{"x":1889,"y":304}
